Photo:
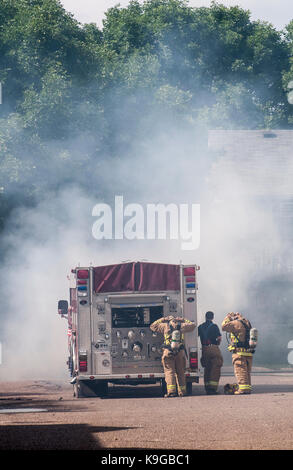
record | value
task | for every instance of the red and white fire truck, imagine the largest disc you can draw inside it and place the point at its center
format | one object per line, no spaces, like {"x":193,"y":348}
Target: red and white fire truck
{"x":109,"y":314}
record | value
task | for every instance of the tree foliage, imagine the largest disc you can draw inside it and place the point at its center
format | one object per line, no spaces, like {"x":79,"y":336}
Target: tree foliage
{"x":74,"y":95}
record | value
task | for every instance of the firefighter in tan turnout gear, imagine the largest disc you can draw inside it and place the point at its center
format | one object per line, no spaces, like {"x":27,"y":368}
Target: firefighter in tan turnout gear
{"x":211,"y":359}
{"x":242,"y":353}
{"x":173,"y":358}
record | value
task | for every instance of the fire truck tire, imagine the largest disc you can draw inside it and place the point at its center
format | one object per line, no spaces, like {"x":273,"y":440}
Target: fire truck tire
{"x":78,"y":390}
{"x":101,"y":388}
{"x":188,"y":388}
{"x":163,"y":387}
{"x":90,"y":389}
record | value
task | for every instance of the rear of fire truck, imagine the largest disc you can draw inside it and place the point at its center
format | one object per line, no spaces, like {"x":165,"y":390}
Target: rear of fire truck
{"x":109,"y":317}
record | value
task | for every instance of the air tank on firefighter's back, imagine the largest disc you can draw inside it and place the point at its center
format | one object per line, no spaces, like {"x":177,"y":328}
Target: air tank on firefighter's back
{"x":253,"y":337}
{"x":175,"y":339}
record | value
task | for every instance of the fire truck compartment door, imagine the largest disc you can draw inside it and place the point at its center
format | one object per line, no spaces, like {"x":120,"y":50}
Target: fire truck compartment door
{"x":103,"y":362}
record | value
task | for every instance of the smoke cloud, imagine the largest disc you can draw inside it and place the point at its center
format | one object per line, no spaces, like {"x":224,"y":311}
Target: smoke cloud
{"x":44,"y":243}
{"x":169,"y":161}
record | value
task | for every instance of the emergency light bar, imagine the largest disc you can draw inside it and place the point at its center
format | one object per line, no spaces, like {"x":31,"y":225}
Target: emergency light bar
{"x":82,"y":288}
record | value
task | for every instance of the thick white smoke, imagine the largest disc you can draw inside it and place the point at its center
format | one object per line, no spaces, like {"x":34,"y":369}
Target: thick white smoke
{"x":44,"y":243}
{"x":172,"y":165}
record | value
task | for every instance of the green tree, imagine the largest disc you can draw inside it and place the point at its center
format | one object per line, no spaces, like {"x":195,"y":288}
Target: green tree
{"x":76,"y":96}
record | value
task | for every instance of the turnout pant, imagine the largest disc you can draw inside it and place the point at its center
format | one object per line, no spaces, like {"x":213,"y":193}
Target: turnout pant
{"x":174,"y":370}
{"x":242,"y":370}
{"x":212,"y":362}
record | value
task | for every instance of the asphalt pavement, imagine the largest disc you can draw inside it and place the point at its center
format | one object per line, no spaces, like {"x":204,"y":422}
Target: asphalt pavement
{"x":44,"y":415}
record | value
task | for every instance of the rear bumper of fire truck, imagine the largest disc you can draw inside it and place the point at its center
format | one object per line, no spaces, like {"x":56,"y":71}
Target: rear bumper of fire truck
{"x":135,"y":378}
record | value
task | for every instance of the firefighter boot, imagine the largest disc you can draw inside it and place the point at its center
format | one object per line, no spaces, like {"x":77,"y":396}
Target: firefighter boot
{"x":230,"y":389}
{"x":243,"y":391}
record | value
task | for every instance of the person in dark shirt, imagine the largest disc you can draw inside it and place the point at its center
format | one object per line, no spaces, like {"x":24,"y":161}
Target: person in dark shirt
{"x":211,"y":359}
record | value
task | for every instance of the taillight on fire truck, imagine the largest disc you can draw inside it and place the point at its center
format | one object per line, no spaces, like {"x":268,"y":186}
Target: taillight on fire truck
{"x":83,"y":362}
{"x":82,"y":274}
{"x":82,"y":282}
{"x":193,"y":359}
{"x":189,"y":271}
